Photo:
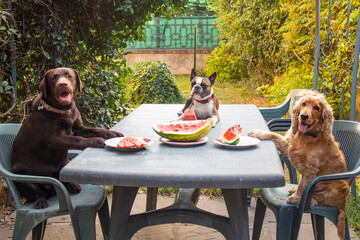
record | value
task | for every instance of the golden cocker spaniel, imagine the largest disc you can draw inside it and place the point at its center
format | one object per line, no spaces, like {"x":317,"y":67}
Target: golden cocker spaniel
{"x":312,"y":150}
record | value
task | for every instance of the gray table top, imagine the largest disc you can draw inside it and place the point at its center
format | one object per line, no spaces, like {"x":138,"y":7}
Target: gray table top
{"x":162,"y":165}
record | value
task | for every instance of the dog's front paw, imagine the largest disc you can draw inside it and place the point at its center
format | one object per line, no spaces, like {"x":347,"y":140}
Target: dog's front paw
{"x":112,"y":134}
{"x":292,"y":190}
{"x":41,"y":203}
{"x":257,"y":133}
{"x":293,"y":199}
{"x":73,"y":187}
{"x":96,"y":142}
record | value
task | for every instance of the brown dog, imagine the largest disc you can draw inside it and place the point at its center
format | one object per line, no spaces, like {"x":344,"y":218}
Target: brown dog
{"x":311,"y":148}
{"x":54,"y":126}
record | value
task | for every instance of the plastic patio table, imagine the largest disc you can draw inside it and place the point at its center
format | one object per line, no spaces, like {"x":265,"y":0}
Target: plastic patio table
{"x":163,"y":165}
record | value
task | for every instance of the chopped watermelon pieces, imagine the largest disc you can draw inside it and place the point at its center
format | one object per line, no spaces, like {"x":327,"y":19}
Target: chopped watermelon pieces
{"x":189,"y":115}
{"x":129,"y":142}
{"x":232,"y":135}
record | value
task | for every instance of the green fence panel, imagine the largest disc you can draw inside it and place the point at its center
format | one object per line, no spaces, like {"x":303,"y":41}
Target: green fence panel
{"x":178,"y":33}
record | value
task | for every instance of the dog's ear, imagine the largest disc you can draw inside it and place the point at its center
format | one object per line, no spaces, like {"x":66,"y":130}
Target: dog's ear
{"x":44,"y":85}
{"x":193,"y":74}
{"x":78,"y":80}
{"x":328,"y":118}
{"x":212,"y":78}
{"x":295,"y":117}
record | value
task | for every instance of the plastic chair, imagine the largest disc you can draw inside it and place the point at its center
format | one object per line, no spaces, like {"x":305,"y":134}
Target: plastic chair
{"x":288,"y":216}
{"x":270,"y":113}
{"x":82,"y":207}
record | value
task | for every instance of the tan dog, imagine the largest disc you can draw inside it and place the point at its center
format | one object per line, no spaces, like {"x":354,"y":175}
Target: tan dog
{"x":311,"y":148}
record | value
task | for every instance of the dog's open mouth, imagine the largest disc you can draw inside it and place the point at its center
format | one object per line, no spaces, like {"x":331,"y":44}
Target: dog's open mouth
{"x":303,"y":126}
{"x":65,"y":97}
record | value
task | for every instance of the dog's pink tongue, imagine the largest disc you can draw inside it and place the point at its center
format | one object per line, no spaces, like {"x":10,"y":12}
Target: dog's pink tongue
{"x":303,"y":127}
{"x":66,"y":97}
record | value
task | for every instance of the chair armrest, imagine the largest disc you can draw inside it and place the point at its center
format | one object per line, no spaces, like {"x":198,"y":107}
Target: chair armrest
{"x":308,"y":192}
{"x":279,"y":124}
{"x":65,"y":204}
{"x":269,"y":113}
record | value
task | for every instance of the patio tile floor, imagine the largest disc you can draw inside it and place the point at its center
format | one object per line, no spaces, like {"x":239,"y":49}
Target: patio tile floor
{"x":59,"y":228}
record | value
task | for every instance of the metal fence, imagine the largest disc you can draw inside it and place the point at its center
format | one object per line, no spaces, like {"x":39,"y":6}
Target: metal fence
{"x":179,"y":33}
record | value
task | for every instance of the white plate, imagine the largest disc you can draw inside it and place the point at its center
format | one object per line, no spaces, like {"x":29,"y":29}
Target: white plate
{"x":244,"y":142}
{"x":112,"y":143}
{"x":182,"y":144}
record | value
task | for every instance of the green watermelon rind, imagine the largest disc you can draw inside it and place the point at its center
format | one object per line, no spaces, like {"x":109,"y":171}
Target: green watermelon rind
{"x":185,"y":137}
{"x":235,"y":142}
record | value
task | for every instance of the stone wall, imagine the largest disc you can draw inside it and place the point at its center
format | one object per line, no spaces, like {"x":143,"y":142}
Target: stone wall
{"x":179,"y":61}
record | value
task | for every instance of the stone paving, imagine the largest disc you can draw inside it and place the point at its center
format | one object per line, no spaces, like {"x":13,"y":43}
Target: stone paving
{"x":59,"y":228}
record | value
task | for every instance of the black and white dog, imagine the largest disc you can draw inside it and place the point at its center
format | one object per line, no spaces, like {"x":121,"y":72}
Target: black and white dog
{"x":203,"y":100}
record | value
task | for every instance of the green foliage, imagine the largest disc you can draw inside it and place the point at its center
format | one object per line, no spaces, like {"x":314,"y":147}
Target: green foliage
{"x":298,"y":33}
{"x":252,"y":46}
{"x":88,"y":36}
{"x":353,"y":213}
{"x":152,"y":82}
{"x":298,"y":78}
{"x":103,"y":101}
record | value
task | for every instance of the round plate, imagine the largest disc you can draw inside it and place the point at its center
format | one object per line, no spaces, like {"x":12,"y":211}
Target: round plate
{"x":112,"y":143}
{"x":244,"y":142}
{"x":181,"y":144}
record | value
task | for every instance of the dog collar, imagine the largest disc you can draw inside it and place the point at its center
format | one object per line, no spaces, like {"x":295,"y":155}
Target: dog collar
{"x":311,"y":134}
{"x":44,"y":105}
{"x":206,"y":100}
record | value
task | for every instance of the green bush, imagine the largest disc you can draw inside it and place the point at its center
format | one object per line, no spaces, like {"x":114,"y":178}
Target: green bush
{"x":102,"y":103}
{"x":251,"y":50}
{"x":152,"y":82}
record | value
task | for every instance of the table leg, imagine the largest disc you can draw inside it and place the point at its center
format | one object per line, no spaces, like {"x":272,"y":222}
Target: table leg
{"x":236,"y":204}
{"x":122,"y":202}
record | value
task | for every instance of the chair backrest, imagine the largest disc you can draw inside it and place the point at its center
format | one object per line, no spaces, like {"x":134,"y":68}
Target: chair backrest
{"x":337,"y":50}
{"x":347,"y":133}
{"x":7,"y":135}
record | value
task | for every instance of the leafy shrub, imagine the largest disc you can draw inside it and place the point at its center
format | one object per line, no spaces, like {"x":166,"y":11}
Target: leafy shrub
{"x":353,"y":214}
{"x":298,"y":32}
{"x":152,"y":82}
{"x":102,"y":103}
{"x":252,"y":46}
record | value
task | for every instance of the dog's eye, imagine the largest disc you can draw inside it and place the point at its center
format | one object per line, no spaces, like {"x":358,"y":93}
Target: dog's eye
{"x":69,"y":76}
{"x":304,"y":104}
{"x":203,"y":85}
{"x":316,"y":107}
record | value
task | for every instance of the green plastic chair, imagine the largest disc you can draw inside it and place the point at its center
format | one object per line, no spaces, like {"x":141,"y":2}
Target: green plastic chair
{"x":82,"y":207}
{"x":288,"y":216}
{"x":270,"y":113}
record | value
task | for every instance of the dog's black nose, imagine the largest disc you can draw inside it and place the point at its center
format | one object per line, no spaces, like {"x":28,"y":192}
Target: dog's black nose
{"x":304,"y":116}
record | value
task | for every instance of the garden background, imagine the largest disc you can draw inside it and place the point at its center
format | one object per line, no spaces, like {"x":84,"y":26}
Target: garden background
{"x":266,"y":48}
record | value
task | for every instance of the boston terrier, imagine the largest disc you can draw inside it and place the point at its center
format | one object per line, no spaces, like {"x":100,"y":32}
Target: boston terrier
{"x":203,"y":100}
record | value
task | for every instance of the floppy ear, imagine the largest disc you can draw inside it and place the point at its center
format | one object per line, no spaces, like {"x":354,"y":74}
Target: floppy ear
{"x":78,"y":81}
{"x":295,"y":117}
{"x":193,"y":74}
{"x":328,"y":118}
{"x":212,"y":78}
{"x":43,"y":86}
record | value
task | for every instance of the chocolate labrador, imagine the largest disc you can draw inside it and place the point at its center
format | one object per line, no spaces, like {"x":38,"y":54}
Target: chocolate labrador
{"x":54,"y":126}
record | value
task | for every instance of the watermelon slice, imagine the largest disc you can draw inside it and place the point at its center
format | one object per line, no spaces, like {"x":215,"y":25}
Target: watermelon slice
{"x":184,"y":131}
{"x":189,"y":115}
{"x":129,"y":142}
{"x":232,"y":135}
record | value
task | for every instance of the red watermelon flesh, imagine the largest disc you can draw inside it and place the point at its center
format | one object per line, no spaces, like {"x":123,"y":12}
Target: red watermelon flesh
{"x":189,"y":115}
{"x":232,"y":135}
